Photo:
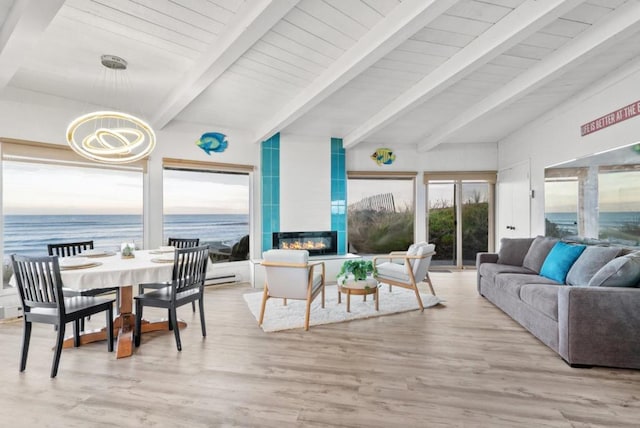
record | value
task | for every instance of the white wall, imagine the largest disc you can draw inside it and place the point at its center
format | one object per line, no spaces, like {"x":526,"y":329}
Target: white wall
{"x":359,"y":158}
{"x":461,"y":157}
{"x":305,"y":183}
{"x":446,"y":157}
{"x":555,"y":137}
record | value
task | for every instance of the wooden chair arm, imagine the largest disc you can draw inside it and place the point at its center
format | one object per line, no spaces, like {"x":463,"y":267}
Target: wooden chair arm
{"x":313,"y":265}
{"x":423,"y":256}
{"x":402,"y":255}
{"x":389,"y":257}
{"x":284,"y":264}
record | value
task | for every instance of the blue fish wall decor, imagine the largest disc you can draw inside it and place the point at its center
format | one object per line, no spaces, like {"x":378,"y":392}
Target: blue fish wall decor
{"x":213,"y":142}
{"x":383,"y":157}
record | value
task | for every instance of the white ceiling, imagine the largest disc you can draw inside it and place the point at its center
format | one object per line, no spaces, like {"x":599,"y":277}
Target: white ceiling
{"x":415,"y":72}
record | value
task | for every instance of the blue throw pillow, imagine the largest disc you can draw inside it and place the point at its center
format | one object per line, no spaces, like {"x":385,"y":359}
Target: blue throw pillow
{"x":559,"y":261}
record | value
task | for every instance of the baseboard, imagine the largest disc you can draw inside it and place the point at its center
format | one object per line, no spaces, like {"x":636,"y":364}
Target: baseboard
{"x":7,"y":312}
{"x":222,"y":279}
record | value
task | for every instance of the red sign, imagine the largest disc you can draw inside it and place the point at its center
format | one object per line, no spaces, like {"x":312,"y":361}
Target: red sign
{"x":612,"y":118}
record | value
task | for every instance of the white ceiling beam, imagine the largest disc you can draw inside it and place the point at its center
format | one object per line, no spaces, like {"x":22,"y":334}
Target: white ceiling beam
{"x":243,"y":31}
{"x":522,"y":22}
{"x":618,"y":25}
{"x":402,"y":22}
{"x":25,"y":23}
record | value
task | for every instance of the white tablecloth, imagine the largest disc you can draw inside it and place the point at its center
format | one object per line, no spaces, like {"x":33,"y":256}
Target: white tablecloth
{"x":116,"y":271}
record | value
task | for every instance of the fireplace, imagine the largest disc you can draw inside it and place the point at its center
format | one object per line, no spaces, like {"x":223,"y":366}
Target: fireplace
{"x":317,"y":243}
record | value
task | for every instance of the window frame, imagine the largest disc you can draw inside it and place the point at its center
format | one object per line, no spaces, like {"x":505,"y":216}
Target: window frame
{"x":388,"y":175}
{"x":214,"y":167}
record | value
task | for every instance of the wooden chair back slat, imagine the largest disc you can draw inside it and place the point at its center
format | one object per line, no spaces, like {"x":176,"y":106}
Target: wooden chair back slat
{"x":68,"y":249}
{"x":39,"y":281}
{"x":184,"y":242}
{"x":189,"y":268}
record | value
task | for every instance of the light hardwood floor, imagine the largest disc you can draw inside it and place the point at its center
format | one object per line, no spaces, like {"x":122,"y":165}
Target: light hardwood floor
{"x":464,"y":363}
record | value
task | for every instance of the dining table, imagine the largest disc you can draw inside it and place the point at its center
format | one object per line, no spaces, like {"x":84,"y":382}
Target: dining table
{"x":107,"y":269}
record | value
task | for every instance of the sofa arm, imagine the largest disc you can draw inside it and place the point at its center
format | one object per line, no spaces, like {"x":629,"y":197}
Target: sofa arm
{"x":599,"y":326}
{"x":484,"y":258}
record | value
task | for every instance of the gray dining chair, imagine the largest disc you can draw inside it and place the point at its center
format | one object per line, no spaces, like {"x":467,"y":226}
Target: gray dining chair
{"x":186,"y":286}
{"x":178,"y":243}
{"x":40,"y":288}
{"x":70,"y":249}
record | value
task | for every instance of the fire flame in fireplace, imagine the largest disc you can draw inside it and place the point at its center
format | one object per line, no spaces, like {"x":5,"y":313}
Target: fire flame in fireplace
{"x":308,"y":245}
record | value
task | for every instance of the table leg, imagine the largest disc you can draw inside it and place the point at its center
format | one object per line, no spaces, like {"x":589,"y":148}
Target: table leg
{"x":124,"y":347}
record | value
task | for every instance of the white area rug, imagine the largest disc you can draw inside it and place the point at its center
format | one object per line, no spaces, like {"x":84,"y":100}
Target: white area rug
{"x":279,"y":317}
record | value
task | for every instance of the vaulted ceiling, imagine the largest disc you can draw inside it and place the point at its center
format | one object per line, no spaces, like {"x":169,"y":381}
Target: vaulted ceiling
{"x":414,"y":72}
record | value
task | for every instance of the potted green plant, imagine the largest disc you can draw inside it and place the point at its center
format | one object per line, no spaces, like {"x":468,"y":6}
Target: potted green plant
{"x":355,"y":270}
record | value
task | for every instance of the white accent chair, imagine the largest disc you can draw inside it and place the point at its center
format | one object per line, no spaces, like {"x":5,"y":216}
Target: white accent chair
{"x":289,"y":275}
{"x":414,"y":270}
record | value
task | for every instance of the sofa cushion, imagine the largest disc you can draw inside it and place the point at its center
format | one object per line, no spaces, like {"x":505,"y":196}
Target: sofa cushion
{"x":590,"y":262}
{"x":510,"y":283}
{"x":513,"y":250}
{"x":620,"y":272}
{"x":542,"y":297}
{"x":559,"y":260}
{"x":490,"y":270}
{"x":521,"y":278}
{"x":506,"y":284}
{"x":537,"y":253}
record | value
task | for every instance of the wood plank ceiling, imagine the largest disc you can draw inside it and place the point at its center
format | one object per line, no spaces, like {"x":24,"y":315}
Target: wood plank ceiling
{"x":414,"y":72}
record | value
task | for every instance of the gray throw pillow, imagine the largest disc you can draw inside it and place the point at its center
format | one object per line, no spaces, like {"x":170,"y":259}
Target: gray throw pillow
{"x":620,"y":272}
{"x":538,"y":252}
{"x":590,"y":262}
{"x":513,"y":250}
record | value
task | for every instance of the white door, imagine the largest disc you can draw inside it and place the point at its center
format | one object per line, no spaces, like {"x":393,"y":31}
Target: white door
{"x":514,"y":202}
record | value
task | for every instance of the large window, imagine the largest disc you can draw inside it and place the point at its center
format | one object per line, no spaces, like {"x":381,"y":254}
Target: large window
{"x":56,"y":200}
{"x":381,"y":212}
{"x":595,"y":198}
{"x":210,"y":202}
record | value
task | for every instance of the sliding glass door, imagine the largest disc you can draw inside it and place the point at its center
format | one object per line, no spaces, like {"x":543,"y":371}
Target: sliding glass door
{"x":459,"y":216}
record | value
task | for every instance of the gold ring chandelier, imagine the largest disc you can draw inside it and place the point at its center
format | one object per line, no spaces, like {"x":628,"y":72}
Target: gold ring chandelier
{"x":111,"y":136}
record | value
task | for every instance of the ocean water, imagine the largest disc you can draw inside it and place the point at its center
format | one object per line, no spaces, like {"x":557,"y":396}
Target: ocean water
{"x":30,"y":234}
{"x":607,"y":220}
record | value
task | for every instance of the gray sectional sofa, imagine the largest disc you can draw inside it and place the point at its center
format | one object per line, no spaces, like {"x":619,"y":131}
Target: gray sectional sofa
{"x":581,"y":301}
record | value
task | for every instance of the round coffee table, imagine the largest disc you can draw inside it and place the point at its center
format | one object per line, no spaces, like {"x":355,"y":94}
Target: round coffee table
{"x":358,"y":288}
